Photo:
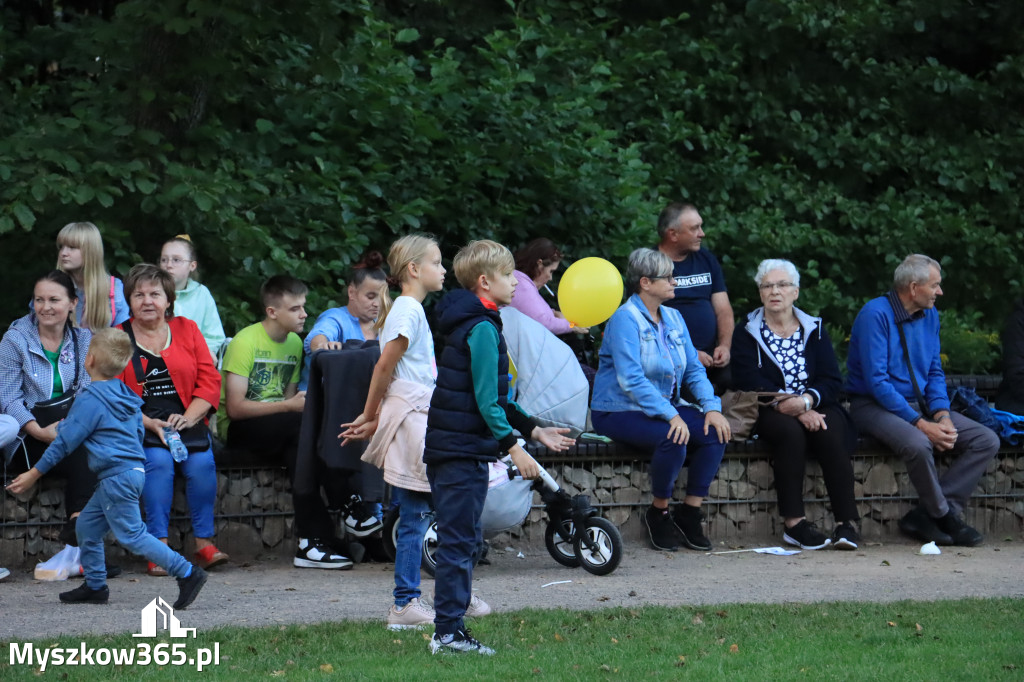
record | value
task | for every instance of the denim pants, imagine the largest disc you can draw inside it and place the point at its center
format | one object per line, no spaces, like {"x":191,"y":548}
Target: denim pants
{"x":459,"y":487}
{"x":414,"y":516}
{"x":200,"y":490}
{"x":649,"y":433}
{"x":115,"y":506}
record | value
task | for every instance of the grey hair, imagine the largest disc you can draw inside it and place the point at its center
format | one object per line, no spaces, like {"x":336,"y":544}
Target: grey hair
{"x":670,"y":216}
{"x":915,"y":268}
{"x":645,"y":262}
{"x":770,"y":264}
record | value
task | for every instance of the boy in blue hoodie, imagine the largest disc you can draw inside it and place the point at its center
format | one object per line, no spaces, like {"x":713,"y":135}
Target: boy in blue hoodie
{"x":469,"y":423}
{"x":107,"y":420}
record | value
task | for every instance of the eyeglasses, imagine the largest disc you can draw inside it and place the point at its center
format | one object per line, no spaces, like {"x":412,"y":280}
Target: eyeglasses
{"x":768,"y":286}
{"x":668,"y":278}
{"x":174,"y":261}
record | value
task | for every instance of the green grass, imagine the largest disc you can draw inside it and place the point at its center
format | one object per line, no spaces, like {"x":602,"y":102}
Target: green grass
{"x":976,"y":639}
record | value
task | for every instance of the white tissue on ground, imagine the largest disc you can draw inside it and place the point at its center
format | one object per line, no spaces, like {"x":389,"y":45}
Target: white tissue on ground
{"x":930,"y":548}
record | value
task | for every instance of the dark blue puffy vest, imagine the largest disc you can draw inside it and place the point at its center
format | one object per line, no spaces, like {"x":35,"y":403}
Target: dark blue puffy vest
{"x":455,"y":427}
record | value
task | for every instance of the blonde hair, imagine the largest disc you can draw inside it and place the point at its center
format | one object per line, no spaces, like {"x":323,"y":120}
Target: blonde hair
{"x":481,"y":257}
{"x":113,"y":351}
{"x":95,"y":278}
{"x":412,"y":248}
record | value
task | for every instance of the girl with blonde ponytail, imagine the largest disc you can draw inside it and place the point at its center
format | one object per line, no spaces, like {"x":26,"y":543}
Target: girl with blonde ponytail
{"x":101,"y":301}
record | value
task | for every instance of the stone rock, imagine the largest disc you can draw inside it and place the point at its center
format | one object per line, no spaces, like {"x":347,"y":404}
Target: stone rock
{"x":45,"y":513}
{"x":51,"y":497}
{"x":273,"y":531}
{"x":14,"y":533}
{"x":887,"y":511}
{"x":34,"y":545}
{"x":241,"y":486}
{"x":222,"y":485}
{"x":873,"y":531}
{"x":12,"y":553}
{"x":638,"y":478}
{"x":739,"y":513}
{"x":1005,"y":523}
{"x":262,"y":496}
{"x":719,"y":489}
{"x":581,"y":478}
{"x":808,"y":486}
{"x":880,"y":480}
{"x":731,"y":470}
{"x":1007,"y":465}
{"x":624,"y":469}
{"x":858,"y":490}
{"x":617,"y":515}
{"x":180,"y":503}
{"x":905,"y":486}
{"x":27,"y":495}
{"x":1018,"y":509}
{"x":741,"y":490}
{"x":603,"y":495}
{"x":1018,"y":476}
{"x":239,"y":540}
{"x":234,"y":504}
{"x":12,"y":511}
{"x":618,"y":481}
{"x":627,"y":495}
{"x":996,"y":483}
{"x":760,"y":474}
{"x":265,"y":477}
{"x":535,"y":516}
{"x":603,"y":470}
{"x":860,"y":468}
{"x":284,"y":502}
{"x":993,"y":464}
{"x":897,"y":465}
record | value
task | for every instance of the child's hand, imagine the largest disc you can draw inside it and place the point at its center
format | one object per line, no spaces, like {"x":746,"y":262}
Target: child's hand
{"x":25,"y":481}
{"x":552,"y":438}
{"x":528,"y":467}
{"x":360,"y":429}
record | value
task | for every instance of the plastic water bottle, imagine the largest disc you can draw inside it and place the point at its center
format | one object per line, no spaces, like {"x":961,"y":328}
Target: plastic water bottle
{"x":179,"y":453}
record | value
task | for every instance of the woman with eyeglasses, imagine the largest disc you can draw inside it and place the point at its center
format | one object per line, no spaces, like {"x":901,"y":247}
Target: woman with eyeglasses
{"x":782,"y":349}
{"x":192,"y":300}
{"x":646,"y":358}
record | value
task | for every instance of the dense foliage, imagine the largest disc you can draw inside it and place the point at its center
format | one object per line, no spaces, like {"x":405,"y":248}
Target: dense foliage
{"x":293,"y":136}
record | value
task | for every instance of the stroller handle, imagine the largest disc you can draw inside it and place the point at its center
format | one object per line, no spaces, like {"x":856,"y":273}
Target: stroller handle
{"x":548,"y":481}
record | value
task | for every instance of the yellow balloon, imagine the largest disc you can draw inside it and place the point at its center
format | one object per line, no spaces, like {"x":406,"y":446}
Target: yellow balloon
{"x":590,"y":291}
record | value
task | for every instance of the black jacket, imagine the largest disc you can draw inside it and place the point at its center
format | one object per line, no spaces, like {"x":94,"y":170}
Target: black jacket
{"x":1011,"y":391}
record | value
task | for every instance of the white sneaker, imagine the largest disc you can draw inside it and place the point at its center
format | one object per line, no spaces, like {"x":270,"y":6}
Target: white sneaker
{"x":413,"y":615}
{"x":360,"y":520}
{"x":314,"y":554}
{"x":478,"y":608}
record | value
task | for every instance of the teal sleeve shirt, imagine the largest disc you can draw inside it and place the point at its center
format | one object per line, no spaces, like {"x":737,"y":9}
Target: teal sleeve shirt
{"x":483,"y":353}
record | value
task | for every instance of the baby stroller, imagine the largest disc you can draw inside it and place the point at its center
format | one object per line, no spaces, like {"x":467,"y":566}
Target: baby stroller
{"x":575,"y":536}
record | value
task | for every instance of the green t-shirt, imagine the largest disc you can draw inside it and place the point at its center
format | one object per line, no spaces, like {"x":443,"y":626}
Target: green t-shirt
{"x":58,"y":385}
{"x":269,"y":366}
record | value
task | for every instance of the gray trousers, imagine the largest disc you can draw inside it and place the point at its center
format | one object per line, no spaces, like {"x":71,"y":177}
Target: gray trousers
{"x":975,"y":446}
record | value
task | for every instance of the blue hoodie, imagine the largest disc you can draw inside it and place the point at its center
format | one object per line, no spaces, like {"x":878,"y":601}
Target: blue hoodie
{"x":107,"y":418}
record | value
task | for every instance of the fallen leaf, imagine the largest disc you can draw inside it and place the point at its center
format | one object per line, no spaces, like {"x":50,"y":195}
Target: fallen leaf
{"x":277,"y":673}
{"x":734,"y":648}
{"x":885,"y":563}
{"x":682,"y":658}
{"x":606,"y":667}
{"x":721,"y":640}
{"x":290,"y":589}
{"x":697,"y":620}
{"x":918,"y":626}
{"x":632,"y":593}
{"x":536,"y":671}
{"x":891,"y":624}
{"x":559,"y":638}
{"x":614,"y":641}
{"x":603,"y":598}
{"x":327,"y":668}
{"x":721,"y":614}
{"x":396,"y":641}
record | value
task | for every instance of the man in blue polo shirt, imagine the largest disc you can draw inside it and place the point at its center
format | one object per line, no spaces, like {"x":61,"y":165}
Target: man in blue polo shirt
{"x":898,"y":395}
{"x":701,"y":295}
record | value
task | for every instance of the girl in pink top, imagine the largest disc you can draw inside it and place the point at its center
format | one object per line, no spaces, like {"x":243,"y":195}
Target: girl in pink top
{"x":535,"y":264}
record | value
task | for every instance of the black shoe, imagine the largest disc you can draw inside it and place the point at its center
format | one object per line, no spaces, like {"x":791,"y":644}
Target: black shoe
{"x":188,"y":588}
{"x":661,"y":530}
{"x":805,"y":536}
{"x":845,"y":536}
{"x":959,"y":532}
{"x":83,"y":594}
{"x":687,"y":520}
{"x":917,"y":523}
{"x":361,"y":519}
{"x":461,"y":641}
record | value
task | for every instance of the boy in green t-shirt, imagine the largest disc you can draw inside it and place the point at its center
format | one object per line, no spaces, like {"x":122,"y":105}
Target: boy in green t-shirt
{"x":261,"y":406}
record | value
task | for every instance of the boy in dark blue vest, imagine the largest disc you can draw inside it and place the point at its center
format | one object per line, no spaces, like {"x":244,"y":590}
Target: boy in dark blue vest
{"x":469,"y":424}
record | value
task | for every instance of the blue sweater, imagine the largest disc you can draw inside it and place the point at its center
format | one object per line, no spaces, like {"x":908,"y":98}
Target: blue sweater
{"x":107,"y":418}
{"x":877,"y":368}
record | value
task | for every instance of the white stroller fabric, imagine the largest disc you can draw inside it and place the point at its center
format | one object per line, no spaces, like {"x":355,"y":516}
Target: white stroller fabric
{"x":550,"y":385}
{"x":506,"y":505}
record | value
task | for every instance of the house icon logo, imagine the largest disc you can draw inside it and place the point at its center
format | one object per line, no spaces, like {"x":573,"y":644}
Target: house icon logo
{"x":158,"y":615}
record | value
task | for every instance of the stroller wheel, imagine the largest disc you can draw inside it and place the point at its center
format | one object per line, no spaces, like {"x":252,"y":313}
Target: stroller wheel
{"x":559,"y":544}
{"x":599,"y":547}
{"x":429,"y":562}
{"x":389,"y":534}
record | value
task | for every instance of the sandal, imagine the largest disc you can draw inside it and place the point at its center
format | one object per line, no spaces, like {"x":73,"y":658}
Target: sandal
{"x":210,"y":556}
{"x":156,"y":571}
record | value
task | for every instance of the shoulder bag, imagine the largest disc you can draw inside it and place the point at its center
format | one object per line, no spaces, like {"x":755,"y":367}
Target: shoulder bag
{"x":47,"y":412}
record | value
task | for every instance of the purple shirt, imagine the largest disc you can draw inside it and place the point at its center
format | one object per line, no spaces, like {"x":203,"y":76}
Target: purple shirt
{"x":528,"y":301}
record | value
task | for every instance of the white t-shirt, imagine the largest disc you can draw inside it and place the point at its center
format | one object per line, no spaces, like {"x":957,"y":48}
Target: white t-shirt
{"x":406,"y":318}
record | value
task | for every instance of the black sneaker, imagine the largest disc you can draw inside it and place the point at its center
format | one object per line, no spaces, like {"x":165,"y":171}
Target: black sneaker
{"x":361,"y":519}
{"x":959,"y":532}
{"x":845,"y":536}
{"x":688,"y":523}
{"x":315,"y":553}
{"x":188,"y":588}
{"x":806,"y":536}
{"x":660,"y":529}
{"x":917,"y":523}
{"x":83,"y":594}
{"x":459,"y":642}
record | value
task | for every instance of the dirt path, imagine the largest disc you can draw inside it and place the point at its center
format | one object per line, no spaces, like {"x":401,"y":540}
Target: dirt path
{"x":272,"y":592}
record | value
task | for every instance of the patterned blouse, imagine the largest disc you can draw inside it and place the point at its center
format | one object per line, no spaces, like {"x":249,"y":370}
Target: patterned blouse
{"x":788,"y":354}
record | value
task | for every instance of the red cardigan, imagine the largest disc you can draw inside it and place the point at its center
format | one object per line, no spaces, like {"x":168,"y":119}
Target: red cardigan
{"x":189,"y":363}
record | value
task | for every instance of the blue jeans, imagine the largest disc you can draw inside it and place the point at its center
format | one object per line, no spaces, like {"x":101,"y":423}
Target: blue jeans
{"x":649,"y":433}
{"x":200,"y":490}
{"x":115,"y":506}
{"x":414,"y":517}
{"x":459,"y":487}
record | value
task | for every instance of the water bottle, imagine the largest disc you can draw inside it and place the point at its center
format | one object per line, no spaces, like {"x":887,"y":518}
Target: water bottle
{"x":179,"y":453}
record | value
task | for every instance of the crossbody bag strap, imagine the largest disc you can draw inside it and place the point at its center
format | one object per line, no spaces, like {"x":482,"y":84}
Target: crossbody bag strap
{"x":79,"y":360}
{"x":913,"y":377}
{"x":136,"y":354}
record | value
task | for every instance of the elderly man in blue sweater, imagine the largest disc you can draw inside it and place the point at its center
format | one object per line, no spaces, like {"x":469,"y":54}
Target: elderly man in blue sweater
{"x":898,"y":395}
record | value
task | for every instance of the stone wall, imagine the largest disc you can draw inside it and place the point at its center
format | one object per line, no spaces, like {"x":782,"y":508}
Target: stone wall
{"x":254,"y":507}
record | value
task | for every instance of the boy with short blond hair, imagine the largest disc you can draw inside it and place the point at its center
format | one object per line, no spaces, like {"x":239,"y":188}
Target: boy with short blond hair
{"x":107,"y":420}
{"x":470,"y":422}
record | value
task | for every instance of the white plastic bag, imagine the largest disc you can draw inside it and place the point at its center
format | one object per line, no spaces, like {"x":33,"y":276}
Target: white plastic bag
{"x":66,"y":562}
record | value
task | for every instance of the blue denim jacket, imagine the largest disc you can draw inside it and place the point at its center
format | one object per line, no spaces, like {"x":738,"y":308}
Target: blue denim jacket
{"x":640,"y":372}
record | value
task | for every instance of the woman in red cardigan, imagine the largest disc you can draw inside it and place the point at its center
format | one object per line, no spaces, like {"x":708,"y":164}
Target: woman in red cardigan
{"x":179,"y":387}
